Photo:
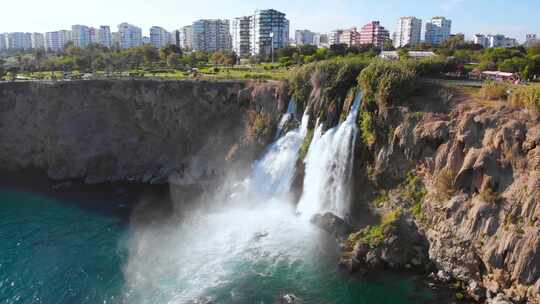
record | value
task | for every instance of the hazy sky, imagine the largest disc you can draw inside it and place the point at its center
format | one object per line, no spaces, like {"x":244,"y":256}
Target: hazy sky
{"x":510,"y":17}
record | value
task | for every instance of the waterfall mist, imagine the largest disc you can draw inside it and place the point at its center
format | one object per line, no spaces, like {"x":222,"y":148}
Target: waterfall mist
{"x":248,"y":233}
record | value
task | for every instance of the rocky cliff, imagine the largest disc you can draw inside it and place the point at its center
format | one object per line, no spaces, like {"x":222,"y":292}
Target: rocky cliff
{"x":464,"y":173}
{"x":133,"y":130}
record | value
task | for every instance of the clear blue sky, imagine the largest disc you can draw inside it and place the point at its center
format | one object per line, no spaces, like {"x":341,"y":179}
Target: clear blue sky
{"x":510,"y":17}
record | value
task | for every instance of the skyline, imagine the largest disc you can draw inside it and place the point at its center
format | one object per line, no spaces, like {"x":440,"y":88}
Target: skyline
{"x":468,"y":16}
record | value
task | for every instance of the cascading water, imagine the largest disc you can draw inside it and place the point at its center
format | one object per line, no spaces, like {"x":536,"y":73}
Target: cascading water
{"x":255,"y":237}
{"x":255,"y":248}
{"x":329,"y":168}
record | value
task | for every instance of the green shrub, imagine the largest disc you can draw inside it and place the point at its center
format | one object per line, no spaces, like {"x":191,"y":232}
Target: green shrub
{"x":375,"y":235}
{"x":366,"y":127}
{"x":305,"y":145}
{"x":386,"y":82}
{"x":493,"y":90}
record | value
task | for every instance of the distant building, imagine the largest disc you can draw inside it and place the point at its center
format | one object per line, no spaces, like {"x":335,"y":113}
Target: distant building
{"x":159,"y":37}
{"x":3,"y":42}
{"x":129,"y":35}
{"x":146,"y":40}
{"x":321,"y":40}
{"x":302,"y":37}
{"x":374,"y":33}
{"x":350,"y":36}
{"x":19,"y":41}
{"x":55,"y":41}
{"x":175,"y":37}
{"x":211,"y":35}
{"x":104,"y":36}
{"x":187,"y":37}
{"x":438,"y":30}
{"x":242,"y":28}
{"x":481,"y":39}
{"x":409,"y":32}
{"x":38,"y":41}
{"x":334,"y":37}
{"x":531,"y":39}
{"x":80,"y":35}
{"x":94,"y":35}
{"x":270,"y":31}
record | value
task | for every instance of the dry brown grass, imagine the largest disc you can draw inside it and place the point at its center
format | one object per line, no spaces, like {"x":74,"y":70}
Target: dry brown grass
{"x":526,"y":97}
{"x":493,"y":91}
{"x":444,"y":185}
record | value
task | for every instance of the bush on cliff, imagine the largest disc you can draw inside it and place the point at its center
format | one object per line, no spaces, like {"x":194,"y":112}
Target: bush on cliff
{"x":492,"y":90}
{"x":336,"y":77}
{"x":527,"y":97}
{"x":386,"y":82}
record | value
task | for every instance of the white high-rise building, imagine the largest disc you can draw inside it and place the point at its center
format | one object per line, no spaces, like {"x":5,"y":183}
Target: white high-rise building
{"x":80,"y":35}
{"x":270,"y":31}
{"x":211,"y":35}
{"x":104,"y":36}
{"x":409,"y":31}
{"x":321,"y":40}
{"x":481,"y":40}
{"x":19,"y":41}
{"x":159,"y":37}
{"x":187,"y":37}
{"x":129,"y":35}
{"x":334,"y":37}
{"x":438,"y":30}
{"x":55,"y":41}
{"x":175,"y":38}
{"x":241,"y":36}
{"x":38,"y":41}
{"x":94,"y":35}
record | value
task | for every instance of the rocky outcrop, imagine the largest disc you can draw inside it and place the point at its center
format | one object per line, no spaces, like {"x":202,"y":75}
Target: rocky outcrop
{"x":142,"y":131}
{"x":481,"y":168}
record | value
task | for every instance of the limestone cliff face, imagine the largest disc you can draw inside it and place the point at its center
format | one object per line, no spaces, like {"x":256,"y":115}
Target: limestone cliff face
{"x":480,"y":163}
{"x":130,"y":130}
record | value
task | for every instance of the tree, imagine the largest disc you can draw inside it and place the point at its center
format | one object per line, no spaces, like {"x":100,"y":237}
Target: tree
{"x":338,"y":49}
{"x":403,"y":54}
{"x":2,"y":69}
{"x":168,"y":50}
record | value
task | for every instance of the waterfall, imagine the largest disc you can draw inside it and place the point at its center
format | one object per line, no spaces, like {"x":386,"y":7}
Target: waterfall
{"x":272,"y":174}
{"x":329,"y":168}
{"x":291,"y":114}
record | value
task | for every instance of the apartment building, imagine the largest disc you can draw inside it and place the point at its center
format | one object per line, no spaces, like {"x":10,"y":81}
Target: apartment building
{"x":187,"y":37}
{"x":55,"y":41}
{"x":302,"y":37}
{"x":374,"y":33}
{"x":175,"y":37}
{"x":334,"y":37}
{"x":409,"y":31}
{"x":438,"y":30}
{"x":19,"y":41}
{"x":321,"y":40}
{"x":38,"y":41}
{"x":129,"y":35}
{"x":80,"y":35}
{"x":94,"y":35}
{"x":242,"y":28}
{"x":3,"y":42}
{"x":104,"y":36}
{"x":159,"y":37}
{"x":350,"y":36}
{"x":270,"y":32}
{"x":211,"y":35}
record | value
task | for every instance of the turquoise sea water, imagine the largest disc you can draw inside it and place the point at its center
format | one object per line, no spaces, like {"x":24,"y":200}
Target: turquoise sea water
{"x":58,"y":251}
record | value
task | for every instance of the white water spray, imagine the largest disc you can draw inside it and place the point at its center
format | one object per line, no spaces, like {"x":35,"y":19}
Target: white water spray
{"x":251,"y":239}
{"x":329,"y":168}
